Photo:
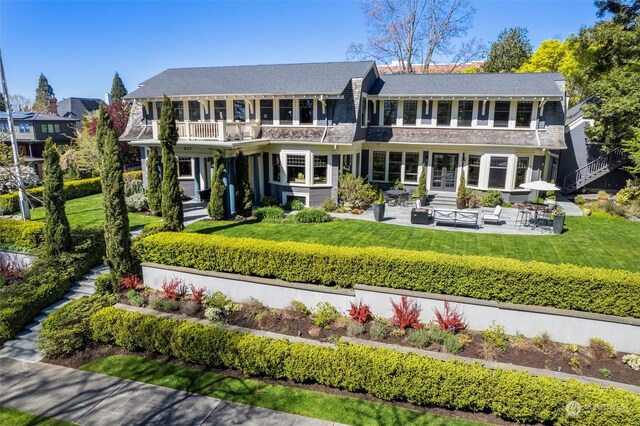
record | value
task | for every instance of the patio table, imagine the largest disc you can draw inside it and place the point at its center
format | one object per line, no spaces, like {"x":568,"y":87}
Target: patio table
{"x":536,"y":207}
{"x":395,"y":194}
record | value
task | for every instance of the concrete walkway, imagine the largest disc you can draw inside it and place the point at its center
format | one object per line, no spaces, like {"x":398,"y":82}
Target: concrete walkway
{"x":24,"y":346}
{"x":88,"y":398}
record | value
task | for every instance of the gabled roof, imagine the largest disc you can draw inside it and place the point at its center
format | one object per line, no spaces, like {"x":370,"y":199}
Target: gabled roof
{"x":33,"y":116}
{"x":77,"y":108}
{"x":480,"y":84}
{"x":329,"y":78}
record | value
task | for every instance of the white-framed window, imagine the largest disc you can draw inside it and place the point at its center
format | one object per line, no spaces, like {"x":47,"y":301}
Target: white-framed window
{"x":275,"y":167}
{"x":501,"y":113}
{"x":320,"y":169}
{"x":296,"y":168}
{"x":473,"y":175}
{"x":392,"y":166}
{"x":364,"y":111}
{"x":194,"y":111}
{"x":411,"y":166}
{"x":443,"y":116}
{"x":378,"y":170}
{"x":289,"y":196}
{"x":409,"y":113}
{"x":465,"y":113}
{"x":522,"y":166}
{"x":395,"y":166}
{"x":498,"y":172}
{"x":266,"y":111}
{"x":390,"y":112}
{"x":185,"y":167}
{"x":524,"y":112}
{"x":220,"y":110}
{"x":239,"y":110}
{"x":24,"y":127}
{"x":178,"y":110}
{"x":347,"y":163}
{"x":285,"y":110}
{"x":306,"y":111}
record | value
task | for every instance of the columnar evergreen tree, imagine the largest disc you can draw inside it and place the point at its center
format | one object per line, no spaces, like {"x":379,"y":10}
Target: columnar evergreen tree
{"x":116,"y":222}
{"x":154,"y":189}
{"x":118,"y":91}
{"x":171,"y":198}
{"x":43,"y":93}
{"x":3,"y":105}
{"x":57,"y":237}
{"x":244,"y":193}
{"x":216,"y":201}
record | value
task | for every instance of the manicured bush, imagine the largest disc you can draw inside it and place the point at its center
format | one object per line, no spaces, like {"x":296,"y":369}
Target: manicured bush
{"x":269,"y":214}
{"x":491,"y":199}
{"x":67,"y":329}
{"x":154,"y":228}
{"x":21,"y":234}
{"x":311,"y":216}
{"x":563,"y":286}
{"x":105,"y":284}
{"x":383,"y":373}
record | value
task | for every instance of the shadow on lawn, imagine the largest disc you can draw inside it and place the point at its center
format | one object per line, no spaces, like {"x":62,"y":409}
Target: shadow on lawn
{"x":216,"y":226}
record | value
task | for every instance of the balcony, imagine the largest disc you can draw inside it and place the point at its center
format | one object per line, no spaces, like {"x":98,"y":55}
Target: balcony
{"x":214,"y":131}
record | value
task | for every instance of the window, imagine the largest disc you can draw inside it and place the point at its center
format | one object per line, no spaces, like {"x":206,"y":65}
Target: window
{"x":410,"y":113}
{"x":43,"y":128}
{"x":158,"y":110}
{"x":24,"y":127}
{"x":444,"y":113}
{"x":286,"y":111}
{"x":356,"y":172}
{"x":184,"y":167}
{"x":379,"y":160}
{"x":306,"y":111}
{"x":4,"y":126}
{"x":266,"y":111}
{"x":521,"y":170}
{"x":474,"y":170}
{"x":498,"y":172}
{"x":465,"y":113}
{"x":178,"y":110}
{"x":275,"y":165}
{"x":220,"y":110}
{"x":194,"y":110}
{"x":501,"y":114}
{"x":411,"y":164}
{"x":347,"y":163}
{"x":239,"y":110}
{"x":56,"y":128}
{"x":364,"y":112}
{"x":319,"y":169}
{"x":296,"y":168}
{"x":523,"y":114}
{"x":390,"y":113}
{"x":395,"y":166}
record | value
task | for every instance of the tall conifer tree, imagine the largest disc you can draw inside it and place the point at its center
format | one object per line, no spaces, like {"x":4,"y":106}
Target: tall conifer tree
{"x":57,"y":230}
{"x":116,"y":223}
{"x":154,"y":185}
{"x":171,"y":197}
{"x":43,"y":93}
{"x":118,"y":91}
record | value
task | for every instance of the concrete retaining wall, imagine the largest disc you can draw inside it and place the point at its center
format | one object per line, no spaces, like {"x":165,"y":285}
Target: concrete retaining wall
{"x":20,"y":259}
{"x":562,"y":325}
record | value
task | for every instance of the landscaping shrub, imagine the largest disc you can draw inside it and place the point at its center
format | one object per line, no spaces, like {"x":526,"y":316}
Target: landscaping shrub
{"x":383,"y":373}
{"x":294,"y":205}
{"x":134,"y":298}
{"x":601,"y":349}
{"x":495,"y":336}
{"x":564,"y":286}
{"x":450,"y":319}
{"x":633,"y":361}
{"x":612,"y":208}
{"x":46,"y":281}
{"x":131,"y":281}
{"x":328,"y":205}
{"x":378,"y":331}
{"x":154,"y":228}
{"x":198,"y":294}
{"x":406,"y":313}
{"x":360,"y":312}
{"x":420,"y":338}
{"x":137,"y":202}
{"x":354,"y":329}
{"x":491,"y":199}
{"x":269,"y":201}
{"x":324,"y":314}
{"x":629,"y":193}
{"x":21,"y":234}
{"x":104,"y":284}
{"x":311,"y":216}
{"x":269,"y":214}
{"x":67,"y":329}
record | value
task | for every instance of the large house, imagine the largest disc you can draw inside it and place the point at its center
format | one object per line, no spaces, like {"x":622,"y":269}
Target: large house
{"x":77,"y":108}
{"x":302,"y":124}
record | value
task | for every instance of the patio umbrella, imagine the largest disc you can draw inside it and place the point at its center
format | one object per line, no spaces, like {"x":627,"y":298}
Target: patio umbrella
{"x":539,"y":185}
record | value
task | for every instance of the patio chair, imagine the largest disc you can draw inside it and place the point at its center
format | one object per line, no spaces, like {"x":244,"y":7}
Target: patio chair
{"x":523,"y":217}
{"x":543,"y":220}
{"x":493,"y":217}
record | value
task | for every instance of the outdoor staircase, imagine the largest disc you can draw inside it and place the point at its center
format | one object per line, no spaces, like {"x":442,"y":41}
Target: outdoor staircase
{"x":442,"y":200}
{"x":24,"y":346}
{"x":592,"y":171}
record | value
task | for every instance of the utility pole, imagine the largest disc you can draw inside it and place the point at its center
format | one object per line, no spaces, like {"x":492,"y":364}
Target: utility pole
{"x":22,"y":195}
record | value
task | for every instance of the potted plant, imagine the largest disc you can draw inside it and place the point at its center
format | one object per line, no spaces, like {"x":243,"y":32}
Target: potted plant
{"x":378,"y":207}
{"x":557,"y":216}
{"x":463,"y":193}
{"x":420,"y":193}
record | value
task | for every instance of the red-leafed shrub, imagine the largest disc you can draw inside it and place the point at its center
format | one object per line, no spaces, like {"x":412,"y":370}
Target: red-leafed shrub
{"x":12,"y":269}
{"x":406,"y":313}
{"x":198,"y":294}
{"x":129,"y":282}
{"x":360,"y":312}
{"x":450,"y":319}
{"x":172,"y":288}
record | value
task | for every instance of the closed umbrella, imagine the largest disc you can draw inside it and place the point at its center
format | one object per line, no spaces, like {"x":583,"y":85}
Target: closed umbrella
{"x":539,"y":185}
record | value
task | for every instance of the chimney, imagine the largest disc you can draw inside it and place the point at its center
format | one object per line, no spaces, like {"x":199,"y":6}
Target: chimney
{"x":53,"y":105}
{"x":107,"y":98}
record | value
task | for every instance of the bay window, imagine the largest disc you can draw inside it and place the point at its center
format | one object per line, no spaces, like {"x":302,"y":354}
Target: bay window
{"x":390,"y":113}
{"x":498,"y":172}
{"x":501,"y":114}
{"x":410,"y":113}
{"x":474,"y":170}
{"x":286,"y":111}
{"x":444,"y":113}
{"x":266,"y":111}
{"x":411,"y":163}
{"x":220,"y":110}
{"x":523,"y":114}
{"x":296,"y":166}
{"x":465,"y":113}
{"x":320,"y":169}
{"x":306,"y":111}
{"x":521,"y":170}
{"x":379,"y":160}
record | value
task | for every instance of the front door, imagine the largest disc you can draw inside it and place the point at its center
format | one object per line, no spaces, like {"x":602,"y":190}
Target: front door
{"x":444,"y":172}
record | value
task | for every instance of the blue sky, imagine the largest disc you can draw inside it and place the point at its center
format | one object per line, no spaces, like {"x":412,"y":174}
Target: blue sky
{"x":79,"y":45}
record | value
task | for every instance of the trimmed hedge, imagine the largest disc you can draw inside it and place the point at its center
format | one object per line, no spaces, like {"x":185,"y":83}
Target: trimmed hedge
{"x":45,"y":282}
{"x":10,"y":203}
{"x":613,"y":292}
{"x":384,"y":373}
{"x":21,"y":234}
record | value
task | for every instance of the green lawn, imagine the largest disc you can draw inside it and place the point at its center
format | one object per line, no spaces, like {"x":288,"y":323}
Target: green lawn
{"x":18,"y":418}
{"x":342,"y":409}
{"x":87,"y":211}
{"x":587,"y":241}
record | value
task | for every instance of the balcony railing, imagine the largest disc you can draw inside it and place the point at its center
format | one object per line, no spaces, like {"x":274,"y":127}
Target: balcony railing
{"x":216,"y":131}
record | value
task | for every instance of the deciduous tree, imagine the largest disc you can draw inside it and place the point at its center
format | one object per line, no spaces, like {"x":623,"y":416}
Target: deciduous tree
{"x":57,"y":236}
{"x":44,"y":92}
{"x":154,"y":184}
{"x":171,"y":198}
{"x":118,"y":91}
{"x":509,"y":52}
{"x":216,"y":201}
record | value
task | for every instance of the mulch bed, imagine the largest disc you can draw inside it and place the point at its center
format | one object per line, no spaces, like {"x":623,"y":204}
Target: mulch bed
{"x":545,"y":354}
{"x":98,"y":351}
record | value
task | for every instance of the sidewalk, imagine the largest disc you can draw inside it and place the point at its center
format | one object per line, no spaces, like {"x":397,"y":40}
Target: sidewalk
{"x":88,"y":398}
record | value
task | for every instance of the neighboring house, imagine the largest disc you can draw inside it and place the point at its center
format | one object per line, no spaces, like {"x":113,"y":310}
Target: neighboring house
{"x":77,"y":108}
{"x":302,"y":124}
{"x":32,"y":129}
{"x":584,"y":166}
{"x":395,"y":68}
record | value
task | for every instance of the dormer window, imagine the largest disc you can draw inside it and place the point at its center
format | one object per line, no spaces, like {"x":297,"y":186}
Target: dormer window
{"x":444,"y":113}
{"x":266,"y":111}
{"x":410,"y":113}
{"x":465,"y":113}
{"x":286,"y":111}
{"x":306,"y":111}
{"x":390,"y":113}
{"x":501,"y":114}
{"x":523,"y":114}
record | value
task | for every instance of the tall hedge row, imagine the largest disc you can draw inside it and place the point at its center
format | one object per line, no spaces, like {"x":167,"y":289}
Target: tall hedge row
{"x":21,"y":234}
{"x":613,"y":292}
{"x":10,"y":203}
{"x":384,"y":373}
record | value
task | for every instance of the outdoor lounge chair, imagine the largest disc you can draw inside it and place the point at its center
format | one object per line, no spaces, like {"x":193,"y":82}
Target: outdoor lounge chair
{"x":493,"y":217}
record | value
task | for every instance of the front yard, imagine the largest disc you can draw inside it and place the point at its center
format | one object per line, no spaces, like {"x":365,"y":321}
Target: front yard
{"x":598,"y":242}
